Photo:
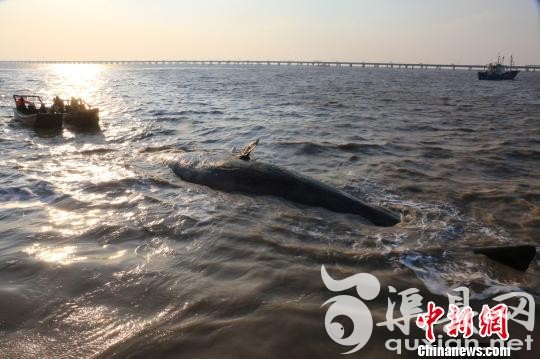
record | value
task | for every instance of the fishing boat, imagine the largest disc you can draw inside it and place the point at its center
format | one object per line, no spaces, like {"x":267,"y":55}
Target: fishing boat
{"x":27,"y":114}
{"x":498,"y":71}
{"x":79,"y":114}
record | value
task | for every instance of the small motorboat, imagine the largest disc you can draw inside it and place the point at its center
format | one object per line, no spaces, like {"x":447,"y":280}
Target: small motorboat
{"x":498,"y":71}
{"x":79,"y":114}
{"x":27,"y":114}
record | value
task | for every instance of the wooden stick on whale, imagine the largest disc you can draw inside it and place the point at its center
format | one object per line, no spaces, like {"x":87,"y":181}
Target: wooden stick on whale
{"x":246,"y":151}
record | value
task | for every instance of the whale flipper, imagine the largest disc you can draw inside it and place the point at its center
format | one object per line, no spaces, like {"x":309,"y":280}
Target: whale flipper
{"x":246,"y":151}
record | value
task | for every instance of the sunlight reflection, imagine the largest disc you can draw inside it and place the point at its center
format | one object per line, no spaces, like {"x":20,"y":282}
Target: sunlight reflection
{"x":71,"y":223}
{"x":78,"y":80}
{"x":20,"y":204}
{"x":76,"y":173}
{"x":105,"y":325}
{"x":61,"y":255}
{"x":89,"y":185}
{"x":118,"y":254}
{"x":79,"y":170}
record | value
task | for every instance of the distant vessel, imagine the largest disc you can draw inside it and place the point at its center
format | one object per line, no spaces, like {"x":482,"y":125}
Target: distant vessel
{"x":498,"y":71}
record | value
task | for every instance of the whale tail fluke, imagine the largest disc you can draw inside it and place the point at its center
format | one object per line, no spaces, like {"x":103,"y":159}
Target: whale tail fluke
{"x":246,"y":151}
{"x":517,"y":257}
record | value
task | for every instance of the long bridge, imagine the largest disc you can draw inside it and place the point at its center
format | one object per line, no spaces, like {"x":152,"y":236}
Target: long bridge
{"x":280,"y":63}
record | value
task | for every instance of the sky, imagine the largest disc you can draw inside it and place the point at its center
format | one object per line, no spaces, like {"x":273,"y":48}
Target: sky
{"x":427,"y":31}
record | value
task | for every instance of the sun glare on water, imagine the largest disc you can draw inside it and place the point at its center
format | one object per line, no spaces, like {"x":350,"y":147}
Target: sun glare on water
{"x":76,"y":80}
{"x":60,"y":255}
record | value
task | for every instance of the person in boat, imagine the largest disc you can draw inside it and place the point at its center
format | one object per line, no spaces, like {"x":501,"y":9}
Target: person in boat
{"x":58,"y":105}
{"x":21,"y":104}
{"x":31,"y":107}
{"x":80,"y":104}
{"x":74,"y":105}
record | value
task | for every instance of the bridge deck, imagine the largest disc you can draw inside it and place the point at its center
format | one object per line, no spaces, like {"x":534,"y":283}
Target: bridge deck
{"x":279,"y":63}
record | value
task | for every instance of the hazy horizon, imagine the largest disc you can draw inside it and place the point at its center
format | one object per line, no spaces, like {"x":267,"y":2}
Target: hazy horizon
{"x":458,"y":31}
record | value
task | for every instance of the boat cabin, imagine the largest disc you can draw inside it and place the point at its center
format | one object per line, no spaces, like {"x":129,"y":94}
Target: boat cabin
{"x":26,"y":104}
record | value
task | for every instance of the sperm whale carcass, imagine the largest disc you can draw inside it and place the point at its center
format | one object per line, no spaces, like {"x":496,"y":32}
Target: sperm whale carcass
{"x":259,"y":178}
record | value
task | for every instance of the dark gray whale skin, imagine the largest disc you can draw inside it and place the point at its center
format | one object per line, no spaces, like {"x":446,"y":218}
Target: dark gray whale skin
{"x":253,"y":177}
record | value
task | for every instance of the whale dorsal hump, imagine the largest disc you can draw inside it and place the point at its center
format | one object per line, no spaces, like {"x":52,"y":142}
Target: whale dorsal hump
{"x":246,"y":151}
